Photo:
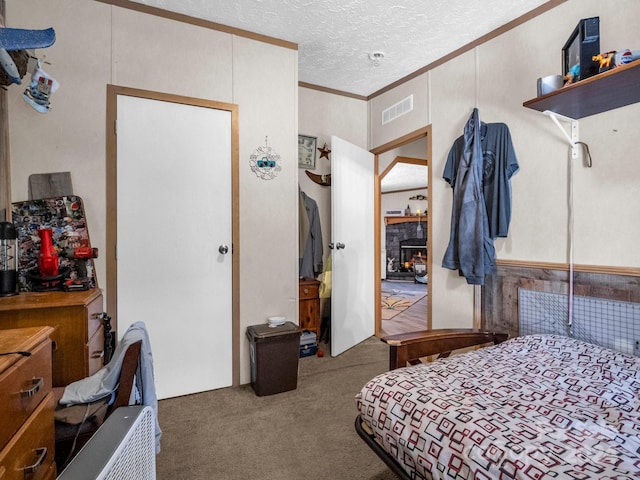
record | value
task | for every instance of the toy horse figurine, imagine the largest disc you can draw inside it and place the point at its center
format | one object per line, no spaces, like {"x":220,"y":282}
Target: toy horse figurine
{"x":613,"y":59}
{"x":604,"y":59}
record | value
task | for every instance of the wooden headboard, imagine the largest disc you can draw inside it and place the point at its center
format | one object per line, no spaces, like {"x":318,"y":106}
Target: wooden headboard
{"x":413,"y":346}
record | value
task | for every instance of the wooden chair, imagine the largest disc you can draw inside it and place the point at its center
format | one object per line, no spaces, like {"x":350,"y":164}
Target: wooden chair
{"x":71,"y":437}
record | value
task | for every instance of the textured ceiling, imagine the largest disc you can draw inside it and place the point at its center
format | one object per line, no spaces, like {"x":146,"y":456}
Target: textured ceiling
{"x":335,"y":37}
{"x":404,"y":176}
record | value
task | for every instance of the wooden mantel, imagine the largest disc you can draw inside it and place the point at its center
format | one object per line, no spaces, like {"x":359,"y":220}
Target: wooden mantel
{"x":405,"y":219}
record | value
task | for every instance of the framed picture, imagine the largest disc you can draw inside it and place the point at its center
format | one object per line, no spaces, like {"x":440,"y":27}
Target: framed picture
{"x":307,"y":151}
{"x":577,"y":53}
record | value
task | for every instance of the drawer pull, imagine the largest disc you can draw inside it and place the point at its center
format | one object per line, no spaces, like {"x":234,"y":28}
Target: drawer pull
{"x":37,"y":385}
{"x":99,"y":354}
{"x":42,"y":454}
{"x":24,"y":354}
{"x":305,"y":290}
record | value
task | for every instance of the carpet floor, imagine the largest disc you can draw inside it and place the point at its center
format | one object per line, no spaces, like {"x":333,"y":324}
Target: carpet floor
{"x":306,"y":433}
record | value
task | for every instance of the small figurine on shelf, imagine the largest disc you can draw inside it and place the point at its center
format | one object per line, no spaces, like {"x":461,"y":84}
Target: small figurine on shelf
{"x":613,"y":59}
{"x":604,"y":59}
{"x":407,"y":211}
{"x":572,"y":74}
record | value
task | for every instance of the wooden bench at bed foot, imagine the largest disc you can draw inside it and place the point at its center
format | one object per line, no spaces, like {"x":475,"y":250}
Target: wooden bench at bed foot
{"x":411,"y":347}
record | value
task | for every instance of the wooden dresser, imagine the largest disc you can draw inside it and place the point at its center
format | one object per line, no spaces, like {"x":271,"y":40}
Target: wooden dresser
{"x":27,"y":438}
{"x":78,"y":336}
{"x":309,"y":305}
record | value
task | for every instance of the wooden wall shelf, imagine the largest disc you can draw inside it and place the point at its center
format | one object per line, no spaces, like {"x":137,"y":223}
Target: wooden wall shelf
{"x":603,"y":92}
{"x":405,"y":219}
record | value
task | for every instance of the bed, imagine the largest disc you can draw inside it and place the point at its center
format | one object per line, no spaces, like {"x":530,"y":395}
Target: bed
{"x":533,"y":407}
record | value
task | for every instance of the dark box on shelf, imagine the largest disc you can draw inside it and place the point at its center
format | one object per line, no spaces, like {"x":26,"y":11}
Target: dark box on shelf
{"x":580,"y":48}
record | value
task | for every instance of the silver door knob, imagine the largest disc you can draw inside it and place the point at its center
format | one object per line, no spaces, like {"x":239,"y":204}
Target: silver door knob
{"x":223,"y":249}
{"x":339,"y":245}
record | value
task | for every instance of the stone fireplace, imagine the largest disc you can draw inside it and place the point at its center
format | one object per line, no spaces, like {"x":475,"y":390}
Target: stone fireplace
{"x":406,"y":244}
{"x":412,"y":250}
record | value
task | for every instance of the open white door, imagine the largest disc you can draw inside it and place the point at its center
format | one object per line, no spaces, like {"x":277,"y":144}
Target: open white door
{"x":352,"y":234}
{"x":174,"y":259}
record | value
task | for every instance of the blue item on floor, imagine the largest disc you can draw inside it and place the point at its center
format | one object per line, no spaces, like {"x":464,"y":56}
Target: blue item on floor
{"x":308,"y":344}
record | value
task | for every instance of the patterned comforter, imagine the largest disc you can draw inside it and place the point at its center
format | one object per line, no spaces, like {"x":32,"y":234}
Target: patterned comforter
{"x":534,"y":407}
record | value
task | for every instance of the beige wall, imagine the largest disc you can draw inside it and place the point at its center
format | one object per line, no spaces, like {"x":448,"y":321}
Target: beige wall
{"x":322,"y":115}
{"x":98,"y":44}
{"x":498,"y":77}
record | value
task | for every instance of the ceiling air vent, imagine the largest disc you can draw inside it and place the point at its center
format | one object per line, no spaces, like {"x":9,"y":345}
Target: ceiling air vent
{"x":397,"y":110}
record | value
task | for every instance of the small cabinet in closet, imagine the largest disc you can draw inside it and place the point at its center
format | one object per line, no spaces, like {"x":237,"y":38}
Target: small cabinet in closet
{"x":309,"y":305}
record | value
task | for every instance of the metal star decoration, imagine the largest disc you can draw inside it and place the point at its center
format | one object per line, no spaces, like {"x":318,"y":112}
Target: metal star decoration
{"x":324,"y":152}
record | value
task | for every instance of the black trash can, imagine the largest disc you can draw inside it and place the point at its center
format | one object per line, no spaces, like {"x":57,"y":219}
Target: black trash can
{"x":274,"y":357}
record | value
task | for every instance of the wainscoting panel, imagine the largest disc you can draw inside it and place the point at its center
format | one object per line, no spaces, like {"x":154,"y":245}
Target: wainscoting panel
{"x":500,"y":303}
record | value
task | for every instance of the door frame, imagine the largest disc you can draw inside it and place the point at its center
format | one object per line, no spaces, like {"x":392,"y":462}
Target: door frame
{"x":112,"y":203}
{"x":399,"y":142}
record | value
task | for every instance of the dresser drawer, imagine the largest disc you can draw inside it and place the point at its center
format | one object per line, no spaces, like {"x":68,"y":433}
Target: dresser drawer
{"x":95,"y":353}
{"x":308,"y":289}
{"x":30,"y":453}
{"x":76,"y":317}
{"x":51,"y":474}
{"x":94,"y":317}
{"x":22,"y":387}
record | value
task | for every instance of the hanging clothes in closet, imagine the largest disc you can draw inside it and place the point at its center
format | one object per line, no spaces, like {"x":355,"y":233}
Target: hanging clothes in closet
{"x":310,"y":237}
{"x":479,"y":167}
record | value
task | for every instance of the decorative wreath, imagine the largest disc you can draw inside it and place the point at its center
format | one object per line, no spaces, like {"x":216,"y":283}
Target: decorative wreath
{"x":265,"y":163}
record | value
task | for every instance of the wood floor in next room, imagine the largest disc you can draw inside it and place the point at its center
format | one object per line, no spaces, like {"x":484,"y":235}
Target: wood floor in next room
{"x":414,"y":317}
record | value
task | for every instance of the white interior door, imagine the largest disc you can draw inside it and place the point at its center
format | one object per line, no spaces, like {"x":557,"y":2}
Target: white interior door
{"x":173,"y":221}
{"x":352,"y":233}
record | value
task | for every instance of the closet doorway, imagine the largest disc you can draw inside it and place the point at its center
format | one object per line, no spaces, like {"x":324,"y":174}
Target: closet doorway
{"x":402,"y":237}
